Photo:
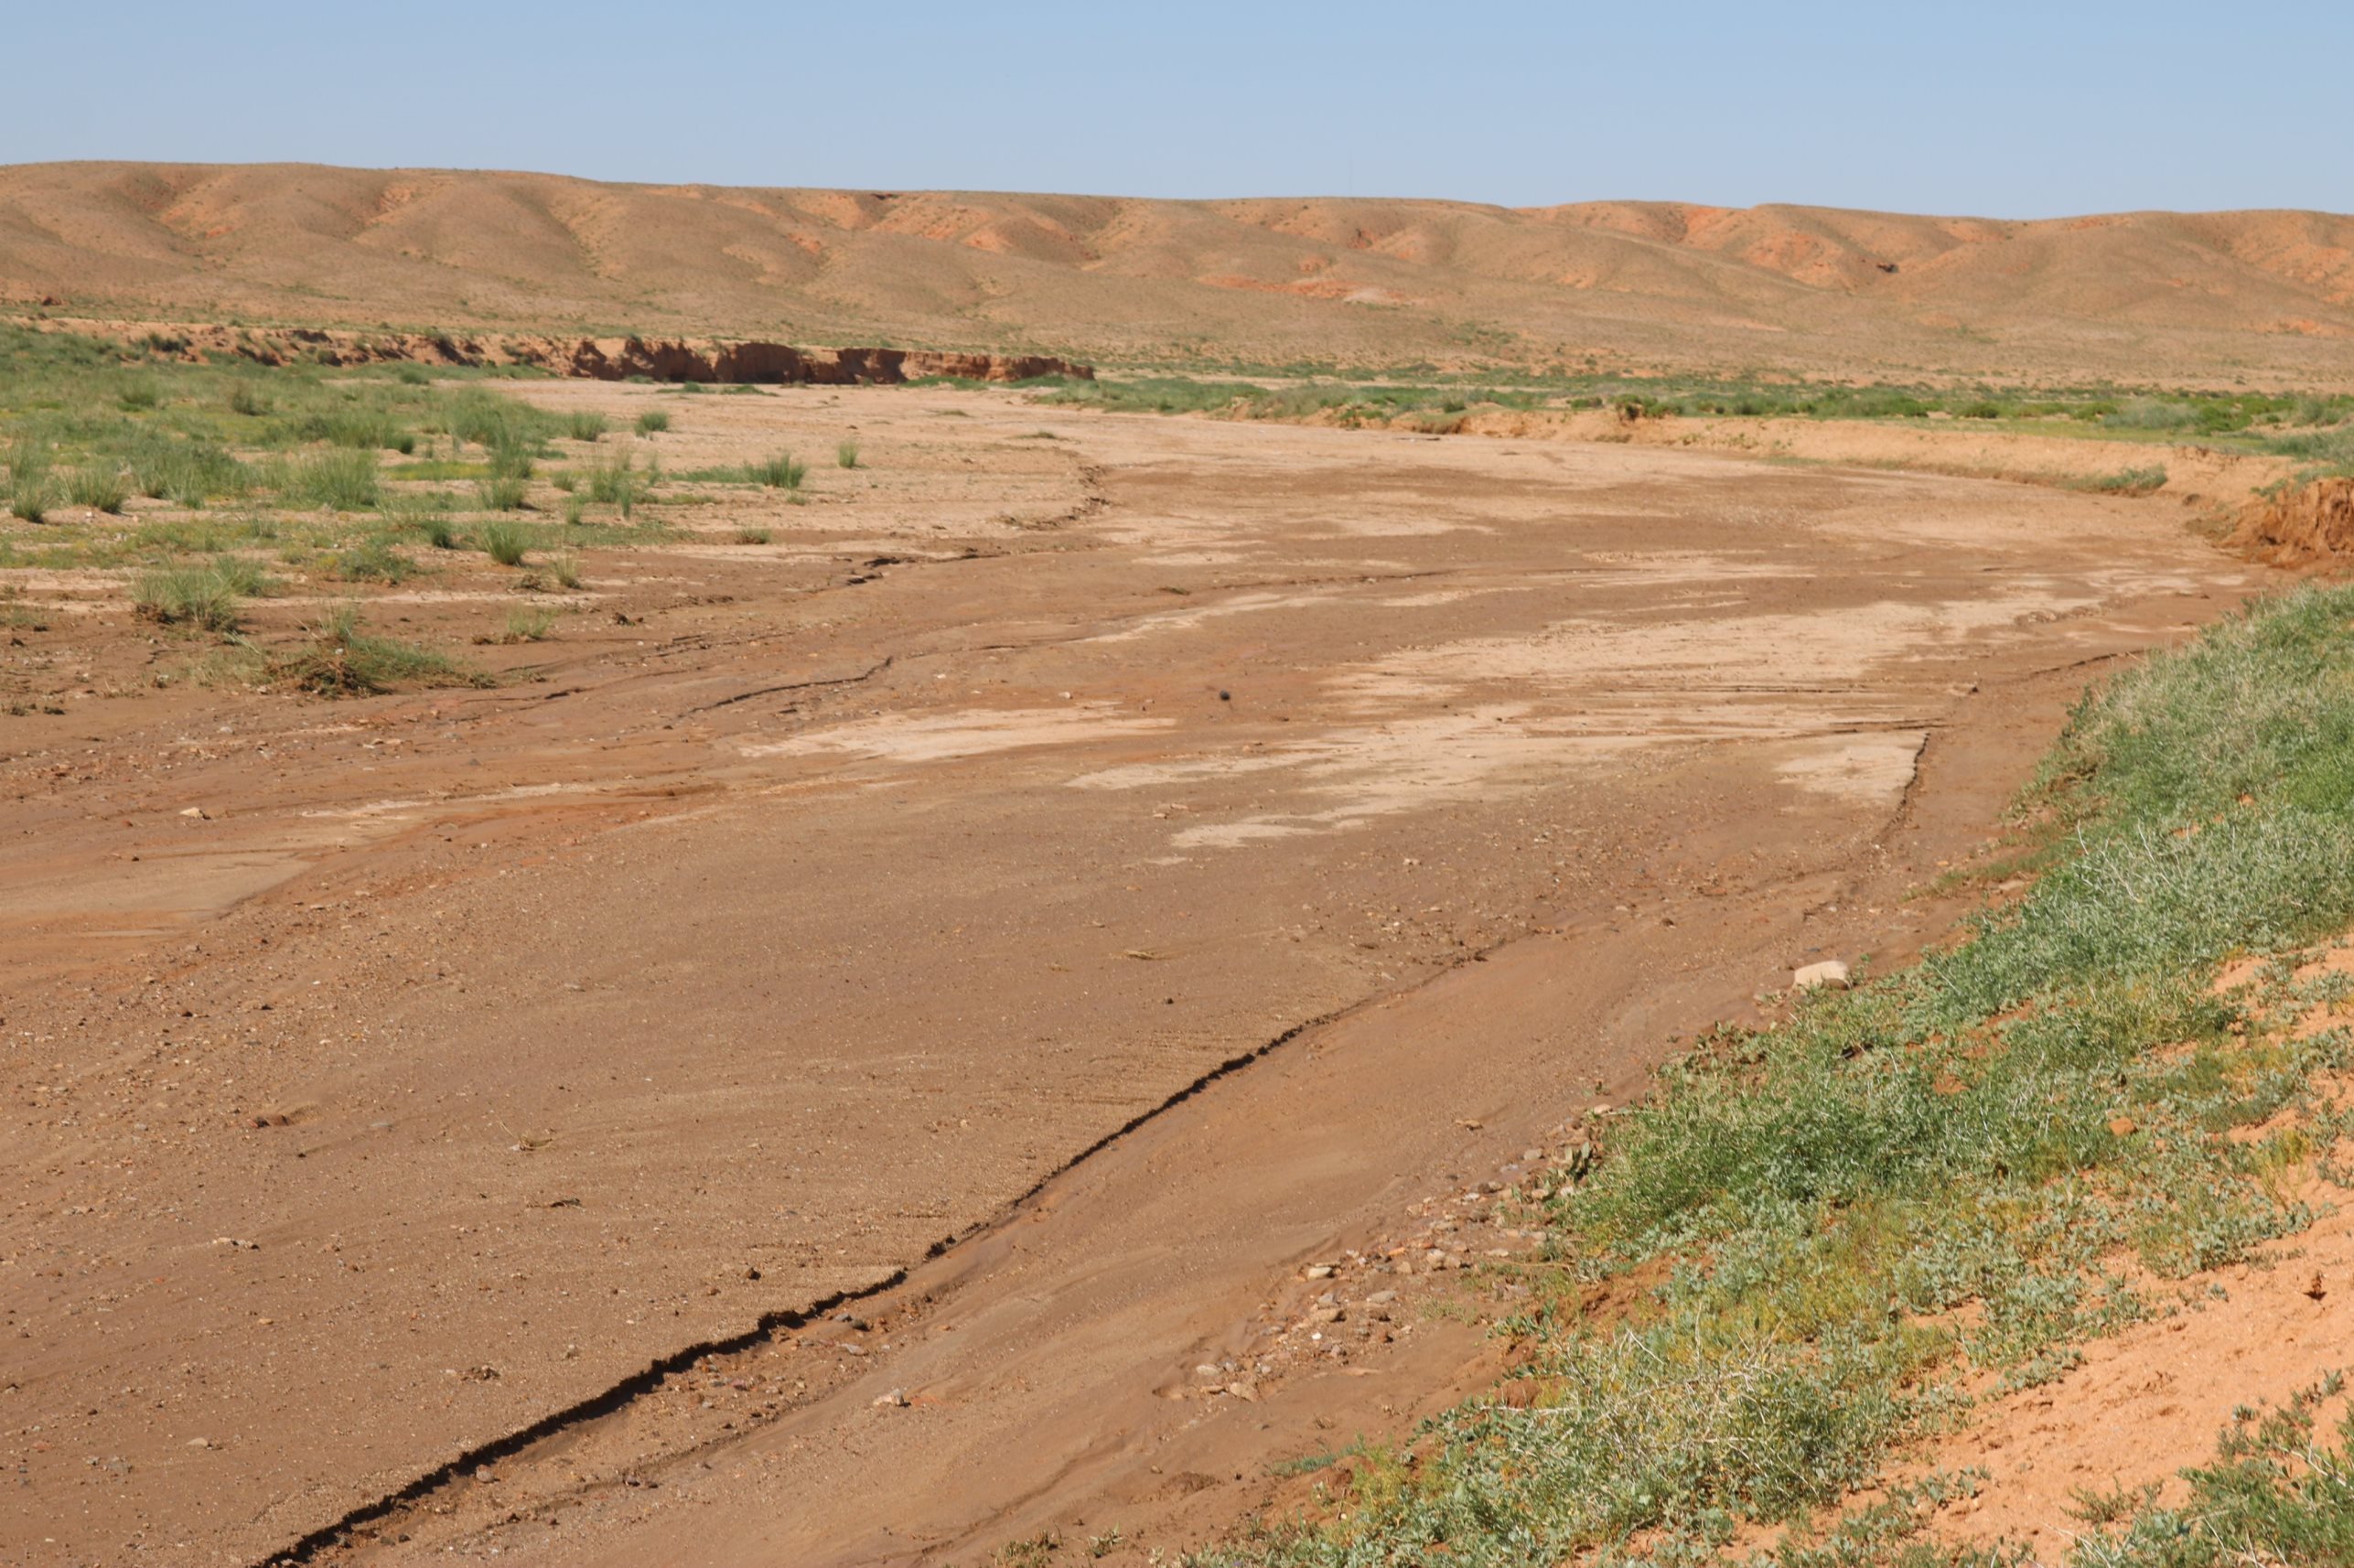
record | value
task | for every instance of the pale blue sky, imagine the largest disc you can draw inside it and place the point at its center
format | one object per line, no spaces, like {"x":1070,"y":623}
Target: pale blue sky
{"x":1989,"y":107}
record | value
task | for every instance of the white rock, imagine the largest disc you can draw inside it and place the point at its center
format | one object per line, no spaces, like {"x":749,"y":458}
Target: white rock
{"x":1829,"y":973}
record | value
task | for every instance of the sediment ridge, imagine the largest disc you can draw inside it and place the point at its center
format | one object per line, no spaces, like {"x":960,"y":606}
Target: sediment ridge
{"x":593,"y":359}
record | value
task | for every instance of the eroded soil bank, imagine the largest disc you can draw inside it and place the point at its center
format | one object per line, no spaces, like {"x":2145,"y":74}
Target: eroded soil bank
{"x":802,"y":905}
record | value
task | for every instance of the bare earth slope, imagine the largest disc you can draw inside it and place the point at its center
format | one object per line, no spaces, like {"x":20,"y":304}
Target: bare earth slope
{"x":467,"y":1054}
{"x":1350,"y":280}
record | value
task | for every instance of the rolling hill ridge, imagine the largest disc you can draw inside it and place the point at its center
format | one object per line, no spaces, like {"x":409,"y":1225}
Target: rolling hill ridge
{"x":1360,"y":282}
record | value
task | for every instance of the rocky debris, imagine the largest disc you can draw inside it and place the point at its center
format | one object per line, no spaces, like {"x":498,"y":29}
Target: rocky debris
{"x":598,"y":359}
{"x":1830,"y":974}
{"x":1338,"y":1307}
{"x":677,"y":360}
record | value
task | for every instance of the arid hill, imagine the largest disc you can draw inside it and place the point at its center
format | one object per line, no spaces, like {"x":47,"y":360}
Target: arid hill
{"x":2268,"y":297}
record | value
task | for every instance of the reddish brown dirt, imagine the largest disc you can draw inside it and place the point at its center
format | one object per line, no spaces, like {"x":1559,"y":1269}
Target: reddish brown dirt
{"x":473,"y":1052}
{"x":2306,"y":525}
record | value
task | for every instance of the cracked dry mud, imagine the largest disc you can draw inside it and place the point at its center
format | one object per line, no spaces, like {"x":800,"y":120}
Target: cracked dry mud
{"x":478,"y":1061}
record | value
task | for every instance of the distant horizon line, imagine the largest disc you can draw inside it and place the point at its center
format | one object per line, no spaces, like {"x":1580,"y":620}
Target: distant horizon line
{"x":878,"y":190}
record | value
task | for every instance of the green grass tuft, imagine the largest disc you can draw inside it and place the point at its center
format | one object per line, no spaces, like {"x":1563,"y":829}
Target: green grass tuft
{"x":341,"y":479}
{"x":2140,"y":481}
{"x":529,"y":623}
{"x":586,"y":424}
{"x":342,"y":661}
{"x":778,"y":473}
{"x":204,"y":597}
{"x":373,"y":561}
{"x":505,"y":542}
{"x":653,"y":421}
{"x":102,"y":486}
{"x":845,"y":455}
{"x":501,"y":493}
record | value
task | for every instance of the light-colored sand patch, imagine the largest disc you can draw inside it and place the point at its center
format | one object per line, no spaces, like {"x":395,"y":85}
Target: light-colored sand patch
{"x":1688,"y":664}
{"x":1376,"y":771}
{"x":931,"y":737}
{"x":1859,"y":767}
{"x":1195,"y":615}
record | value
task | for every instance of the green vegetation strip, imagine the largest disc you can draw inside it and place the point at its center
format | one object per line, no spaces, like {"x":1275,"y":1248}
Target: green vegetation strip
{"x":1829,"y":1229}
{"x":2309,"y":427}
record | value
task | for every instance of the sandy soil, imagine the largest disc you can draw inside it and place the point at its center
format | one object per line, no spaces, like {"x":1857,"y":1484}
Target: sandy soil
{"x":848,"y":925}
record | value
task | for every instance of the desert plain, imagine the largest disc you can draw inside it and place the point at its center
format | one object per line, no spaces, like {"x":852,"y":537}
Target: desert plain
{"x":991,"y":994}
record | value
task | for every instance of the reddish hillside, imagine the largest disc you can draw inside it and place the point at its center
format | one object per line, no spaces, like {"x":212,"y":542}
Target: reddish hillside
{"x":1363,"y":283}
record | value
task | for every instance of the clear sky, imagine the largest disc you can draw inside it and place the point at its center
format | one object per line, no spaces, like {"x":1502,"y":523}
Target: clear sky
{"x":1988,"y":107}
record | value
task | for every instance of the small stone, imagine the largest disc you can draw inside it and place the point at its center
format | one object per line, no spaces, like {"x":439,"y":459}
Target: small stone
{"x":1382,"y":1298}
{"x":199,"y":1442}
{"x":1327,"y":1315}
{"x":1319,"y":1271}
{"x":1830,"y":973}
{"x":897,"y":1399}
{"x":198,"y":813}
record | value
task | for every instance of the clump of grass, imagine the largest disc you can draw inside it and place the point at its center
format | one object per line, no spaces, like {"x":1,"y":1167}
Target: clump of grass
{"x":504,"y":543}
{"x":752,"y":536}
{"x":242,"y":576}
{"x":362,"y":426}
{"x":373,"y":561}
{"x":609,"y":481}
{"x":584,"y":424}
{"x":99,"y":485}
{"x":248,"y":398}
{"x":501,"y":493}
{"x":845,"y":455}
{"x":341,"y":480}
{"x":619,"y":483}
{"x":424,"y":518}
{"x":653,"y":421}
{"x":31,"y":492}
{"x":342,"y":661}
{"x":565,"y":569}
{"x":2152,"y":413}
{"x":190,"y":472}
{"x":203,"y":597}
{"x":138,"y":394}
{"x":778,"y":473}
{"x":529,"y":623}
{"x":576,"y":510}
{"x":2140,"y":481}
